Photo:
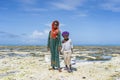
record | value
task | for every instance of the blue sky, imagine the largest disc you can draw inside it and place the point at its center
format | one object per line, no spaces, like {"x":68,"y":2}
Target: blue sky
{"x":90,"y":22}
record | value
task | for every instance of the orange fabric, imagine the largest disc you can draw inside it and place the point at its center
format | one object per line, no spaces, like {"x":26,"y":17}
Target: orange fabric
{"x":54,"y":32}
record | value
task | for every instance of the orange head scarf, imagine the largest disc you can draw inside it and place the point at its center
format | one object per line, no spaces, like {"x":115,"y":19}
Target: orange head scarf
{"x":54,"y":31}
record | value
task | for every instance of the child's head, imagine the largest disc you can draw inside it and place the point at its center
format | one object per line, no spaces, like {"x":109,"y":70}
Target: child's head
{"x":65,"y":34}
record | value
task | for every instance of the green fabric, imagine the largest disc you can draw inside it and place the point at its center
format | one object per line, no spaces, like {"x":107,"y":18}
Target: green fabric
{"x":53,"y":44}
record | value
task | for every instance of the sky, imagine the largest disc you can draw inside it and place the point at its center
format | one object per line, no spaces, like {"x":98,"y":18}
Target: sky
{"x":90,"y":22}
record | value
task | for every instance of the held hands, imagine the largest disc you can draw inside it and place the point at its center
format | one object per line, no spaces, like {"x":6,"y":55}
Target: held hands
{"x":59,"y":48}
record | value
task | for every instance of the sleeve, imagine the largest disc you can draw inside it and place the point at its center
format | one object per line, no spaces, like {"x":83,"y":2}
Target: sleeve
{"x":62,"y":47}
{"x":48,"y":42}
{"x":59,"y":36}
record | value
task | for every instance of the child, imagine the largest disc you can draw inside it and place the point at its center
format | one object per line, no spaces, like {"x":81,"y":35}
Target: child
{"x":67,"y":49}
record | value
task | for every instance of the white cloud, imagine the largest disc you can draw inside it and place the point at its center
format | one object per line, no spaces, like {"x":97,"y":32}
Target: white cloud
{"x":36,"y":34}
{"x":36,"y":37}
{"x":46,"y":31}
{"x":68,"y":4}
{"x":39,"y":34}
{"x":113,"y":5}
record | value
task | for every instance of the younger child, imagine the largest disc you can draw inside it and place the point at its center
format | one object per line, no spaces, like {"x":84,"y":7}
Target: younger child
{"x":67,"y":49}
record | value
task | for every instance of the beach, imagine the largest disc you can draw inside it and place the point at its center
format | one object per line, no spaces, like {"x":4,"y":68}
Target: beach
{"x":33,"y":63}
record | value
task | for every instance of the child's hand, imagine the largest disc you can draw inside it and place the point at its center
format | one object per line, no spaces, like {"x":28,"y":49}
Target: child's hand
{"x":61,"y":53}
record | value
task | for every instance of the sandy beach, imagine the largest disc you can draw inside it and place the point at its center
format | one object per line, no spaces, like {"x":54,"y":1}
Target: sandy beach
{"x":33,"y":64}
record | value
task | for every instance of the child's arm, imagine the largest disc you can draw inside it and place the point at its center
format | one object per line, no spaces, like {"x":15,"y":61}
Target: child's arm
{"x":62,"y":48}
{"x":72,"y":50}
{"x":71,"y":46}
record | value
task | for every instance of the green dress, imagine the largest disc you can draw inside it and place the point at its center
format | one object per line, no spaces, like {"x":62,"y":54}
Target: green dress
{"x":53,"y":44}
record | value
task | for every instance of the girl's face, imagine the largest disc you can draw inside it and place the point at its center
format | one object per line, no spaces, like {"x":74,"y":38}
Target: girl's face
{"x":65,"y":37}
{"x":55,"y":26}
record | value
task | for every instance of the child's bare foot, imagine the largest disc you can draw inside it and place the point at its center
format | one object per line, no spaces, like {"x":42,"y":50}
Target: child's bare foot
{"x":70,"y":67}
{"x":66,"y":67}
{"x":69,"y":70}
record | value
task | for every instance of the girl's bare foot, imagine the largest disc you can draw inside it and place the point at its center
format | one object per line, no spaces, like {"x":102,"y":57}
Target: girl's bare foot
{"x":53,"y":68}
{"x":60,"y":70}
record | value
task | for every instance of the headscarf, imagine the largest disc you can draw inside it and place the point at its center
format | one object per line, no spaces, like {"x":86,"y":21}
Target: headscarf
{"x":54,"y":32}
{"x":65,"y":33}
